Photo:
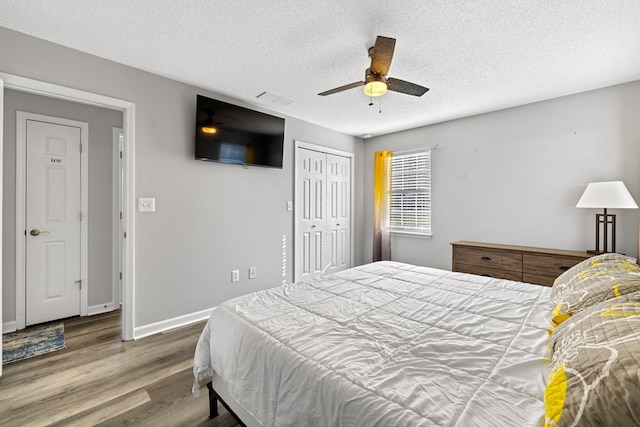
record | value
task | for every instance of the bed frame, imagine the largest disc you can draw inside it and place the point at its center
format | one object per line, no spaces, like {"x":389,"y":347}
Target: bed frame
{"x":214,"y":398}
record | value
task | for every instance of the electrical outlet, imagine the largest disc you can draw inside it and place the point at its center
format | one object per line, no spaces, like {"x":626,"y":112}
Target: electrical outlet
{"x":235,"y":276}
{"x":252,"y":273}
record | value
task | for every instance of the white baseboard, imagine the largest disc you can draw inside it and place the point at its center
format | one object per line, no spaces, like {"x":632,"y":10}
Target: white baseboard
{"x":9,"y":327}
{"x":141,"y":331}
{"x":176,"y":322}
{"x":100,"y":308}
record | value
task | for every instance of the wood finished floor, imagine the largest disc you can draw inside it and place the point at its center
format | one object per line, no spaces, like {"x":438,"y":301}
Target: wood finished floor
{"x":100,"y":380}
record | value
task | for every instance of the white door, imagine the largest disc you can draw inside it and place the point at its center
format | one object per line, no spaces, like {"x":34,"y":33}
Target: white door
{"x":310,"y":209}
{"x":323,"y":213}
{"x":53,"y":221}
{"x":338,"y":213}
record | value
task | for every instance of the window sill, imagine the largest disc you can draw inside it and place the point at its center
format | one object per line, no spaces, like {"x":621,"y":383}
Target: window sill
{"x":412,"y":234}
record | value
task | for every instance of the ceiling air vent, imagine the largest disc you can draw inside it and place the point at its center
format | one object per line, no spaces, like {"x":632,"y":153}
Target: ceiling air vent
{"x":269,"y":98}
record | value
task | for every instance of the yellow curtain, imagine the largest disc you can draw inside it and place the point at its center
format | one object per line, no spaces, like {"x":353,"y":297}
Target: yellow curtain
{"x":381,"y":188}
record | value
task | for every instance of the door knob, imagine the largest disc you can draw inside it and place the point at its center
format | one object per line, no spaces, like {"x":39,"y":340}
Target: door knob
{"x":36,"y":232}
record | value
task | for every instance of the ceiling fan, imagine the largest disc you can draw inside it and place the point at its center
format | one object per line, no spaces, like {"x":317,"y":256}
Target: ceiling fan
{"x":376,"y":82}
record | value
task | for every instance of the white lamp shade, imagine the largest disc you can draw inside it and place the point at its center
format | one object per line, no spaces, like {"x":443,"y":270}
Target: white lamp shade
{"x":608,"y":195}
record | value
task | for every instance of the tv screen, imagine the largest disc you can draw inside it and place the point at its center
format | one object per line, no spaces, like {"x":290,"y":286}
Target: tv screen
{"x":228,"y":133}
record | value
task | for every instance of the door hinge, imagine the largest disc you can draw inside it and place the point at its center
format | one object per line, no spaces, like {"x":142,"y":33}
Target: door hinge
{"x":79,"y":282}
{"x":121,"y":154}
{"x":81,"y":148}
{"x":120,"y":215}
{"x":81,"y":216}
{"x":120,"y":275}
{"x":125,"y":234}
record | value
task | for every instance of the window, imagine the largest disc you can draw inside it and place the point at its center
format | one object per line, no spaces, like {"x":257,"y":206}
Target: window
{"x":410,"y":195}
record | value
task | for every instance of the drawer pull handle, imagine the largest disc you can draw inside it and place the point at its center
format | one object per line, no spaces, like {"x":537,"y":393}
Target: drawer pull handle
{"x":485,"y":258}
{"x":564,"y":268}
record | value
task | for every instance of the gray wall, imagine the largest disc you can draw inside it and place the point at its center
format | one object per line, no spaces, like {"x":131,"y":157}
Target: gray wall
{"x":101,"y":123}
{"x":514,"y":176}
{"x":210,"y":218}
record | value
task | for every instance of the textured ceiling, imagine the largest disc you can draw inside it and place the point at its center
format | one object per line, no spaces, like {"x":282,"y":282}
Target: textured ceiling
{"x":475,"y":56}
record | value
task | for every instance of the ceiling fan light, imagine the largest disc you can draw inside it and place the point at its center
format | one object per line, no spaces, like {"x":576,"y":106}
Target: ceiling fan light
{"x":208,"y":129}
{"x":375,"y":88}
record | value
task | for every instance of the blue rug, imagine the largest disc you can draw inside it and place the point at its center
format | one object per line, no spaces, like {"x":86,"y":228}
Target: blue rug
{"x":32,"y":342}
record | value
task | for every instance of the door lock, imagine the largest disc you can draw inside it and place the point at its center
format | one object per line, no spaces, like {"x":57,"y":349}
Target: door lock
{"x":36,"y":232}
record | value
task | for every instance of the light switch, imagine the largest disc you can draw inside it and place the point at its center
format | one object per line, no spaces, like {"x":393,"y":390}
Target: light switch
{"x":146,"y":204}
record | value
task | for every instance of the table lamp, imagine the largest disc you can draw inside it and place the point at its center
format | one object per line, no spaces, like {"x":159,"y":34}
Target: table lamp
{"x":606,"y":195}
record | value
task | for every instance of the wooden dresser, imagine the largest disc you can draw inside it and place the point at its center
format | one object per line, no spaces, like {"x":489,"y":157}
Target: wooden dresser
{"x":520,"y":263}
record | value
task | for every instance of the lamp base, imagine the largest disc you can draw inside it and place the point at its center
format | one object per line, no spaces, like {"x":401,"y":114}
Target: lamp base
{"x":604,"y":221}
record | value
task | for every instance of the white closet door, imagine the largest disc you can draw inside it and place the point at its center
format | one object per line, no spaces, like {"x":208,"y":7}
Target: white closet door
{"x":311,"y":213}
{"x":338,"y":213}
{"x":323,"y":213}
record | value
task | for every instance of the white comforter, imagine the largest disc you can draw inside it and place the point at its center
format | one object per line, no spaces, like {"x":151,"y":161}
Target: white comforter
{"x":384,"y":344}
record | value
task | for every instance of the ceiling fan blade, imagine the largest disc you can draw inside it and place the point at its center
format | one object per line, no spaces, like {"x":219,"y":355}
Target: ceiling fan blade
{"x":381,"y":55}
{"x":409,"y":88}
{"x":341,"y":88}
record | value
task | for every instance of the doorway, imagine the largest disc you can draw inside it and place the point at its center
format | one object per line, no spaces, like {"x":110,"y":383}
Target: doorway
{"x":128,"y":109}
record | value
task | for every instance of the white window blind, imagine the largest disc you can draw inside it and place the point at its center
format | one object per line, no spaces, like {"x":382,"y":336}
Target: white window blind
{"x":410,"y":195}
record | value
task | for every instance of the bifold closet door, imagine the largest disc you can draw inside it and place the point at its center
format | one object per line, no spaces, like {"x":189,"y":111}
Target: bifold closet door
{"x":323,"y":213}
{"x":338,"y":213}
{"x":311,"y":213}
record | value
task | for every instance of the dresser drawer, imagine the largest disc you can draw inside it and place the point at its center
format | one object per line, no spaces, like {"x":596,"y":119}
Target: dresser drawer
{"x":544,"y":269}
{"x":547,"y":264}
{"x":489,"y":272}
{"x":488,"y":258}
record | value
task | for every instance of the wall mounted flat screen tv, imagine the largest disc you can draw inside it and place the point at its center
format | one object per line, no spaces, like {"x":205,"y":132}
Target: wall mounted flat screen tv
{"x":229,"y":133}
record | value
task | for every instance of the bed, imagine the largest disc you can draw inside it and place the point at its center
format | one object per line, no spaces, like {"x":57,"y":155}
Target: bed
{"x":389,"y":344}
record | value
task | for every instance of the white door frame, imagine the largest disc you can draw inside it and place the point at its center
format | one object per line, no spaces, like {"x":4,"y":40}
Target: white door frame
{"x":297,"y":268}
{"x":21,"y":204}
{"x":23,"y":84}
{"x":118,"y":236}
